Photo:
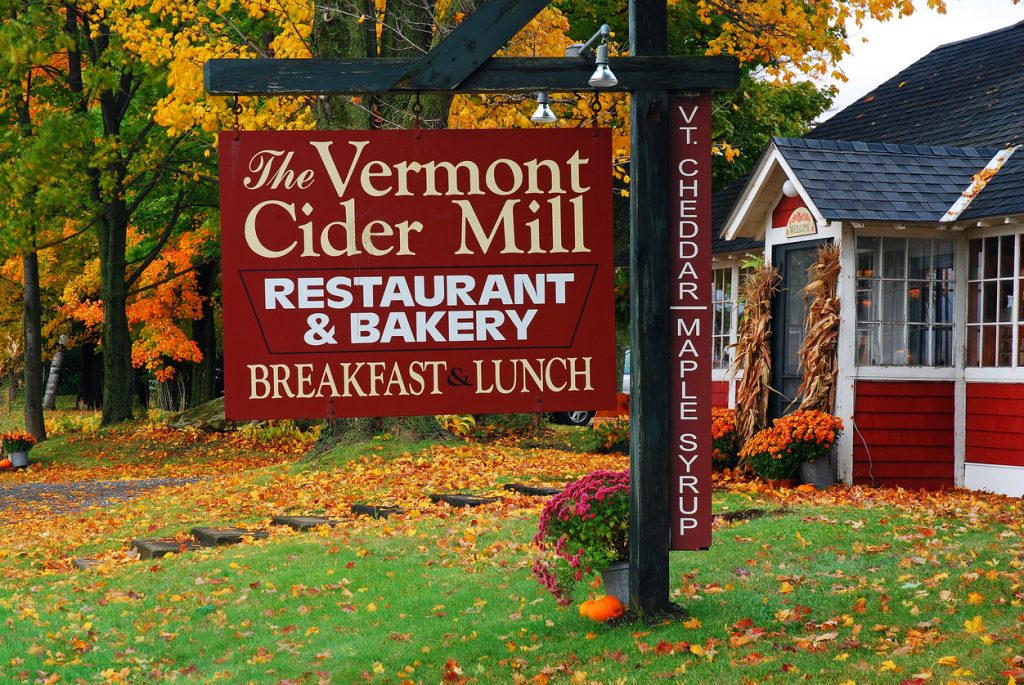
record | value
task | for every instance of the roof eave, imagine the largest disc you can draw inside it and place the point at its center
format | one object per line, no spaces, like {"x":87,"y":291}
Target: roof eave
{"x":746,"y":220}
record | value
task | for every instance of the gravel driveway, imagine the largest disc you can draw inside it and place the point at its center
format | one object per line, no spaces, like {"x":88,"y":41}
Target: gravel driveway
{"x":62,"y":498}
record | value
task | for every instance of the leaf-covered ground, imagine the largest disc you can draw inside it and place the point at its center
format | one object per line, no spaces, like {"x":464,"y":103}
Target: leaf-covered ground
{"x":847,"y":586}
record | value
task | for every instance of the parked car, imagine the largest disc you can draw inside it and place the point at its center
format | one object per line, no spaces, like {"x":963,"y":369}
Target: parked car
{"x":582,"y":417}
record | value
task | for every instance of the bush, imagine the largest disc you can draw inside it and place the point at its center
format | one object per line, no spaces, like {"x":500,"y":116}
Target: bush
{"x":804,"y":435}
{"x":613,"y":436}
{"x":281,"y":436}
{"x":459,"y":425}
{"x":61,"y":424}
{"x":491,"y":426}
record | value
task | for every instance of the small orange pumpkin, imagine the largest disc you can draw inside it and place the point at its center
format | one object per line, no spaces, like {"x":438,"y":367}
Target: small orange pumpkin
{"x":5,"y":463}
{"x":602,"y":609}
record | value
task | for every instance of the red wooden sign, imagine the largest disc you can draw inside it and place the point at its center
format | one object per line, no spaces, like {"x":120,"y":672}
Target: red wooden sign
{"x":397,"y":273}
{"x":690,"y":306}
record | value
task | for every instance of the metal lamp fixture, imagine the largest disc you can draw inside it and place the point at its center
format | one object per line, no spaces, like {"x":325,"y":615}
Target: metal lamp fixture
{"x":602,"y":76}
{"x":543,"y":115}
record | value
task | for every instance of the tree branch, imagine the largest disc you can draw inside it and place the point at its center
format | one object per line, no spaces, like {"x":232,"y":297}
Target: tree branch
{"x":157,"y":174}
{"x":164,"y":237}
{"x":167,"y":279}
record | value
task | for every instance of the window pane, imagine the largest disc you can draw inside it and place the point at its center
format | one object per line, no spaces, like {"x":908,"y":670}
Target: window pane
{"x":974,"y":258}
{"x":867,"y":344}
{"x":894,"y":344}
{"x":973,"y":302}
{"x":990,"y":269}
{"x":945,"y":251}
{"x":719,"y":360}
{"x":867,"y":257}
{"x":989,"y":302}
{"x":1006,"y":256}
{"x":1005,"y":346}
{"x":894,"y":256}
{"x":973,"y":351}
{"x":893,"y":301}
{"x":1005,"y":301}
{"x":867,"y":300}
{"x":943,"y":302}
{"x":988,"y":345}
{"x":920,"y":259}
{"x":917,"y":345}
{"x":942,"y":346}
{"x":917,"y":301}
{"x":1020,"y":345}
{"x":1021,"y":260}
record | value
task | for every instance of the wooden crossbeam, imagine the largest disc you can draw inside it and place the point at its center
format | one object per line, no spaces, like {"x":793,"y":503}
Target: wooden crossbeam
{"x":472,"y":43}
{"x":496,"y":75}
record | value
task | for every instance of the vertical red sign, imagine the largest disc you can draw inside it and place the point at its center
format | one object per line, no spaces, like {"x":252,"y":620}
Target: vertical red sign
{"x":690,"y":322}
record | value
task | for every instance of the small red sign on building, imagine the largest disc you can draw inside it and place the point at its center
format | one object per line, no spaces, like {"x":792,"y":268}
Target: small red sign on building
{"x":390,"y":273}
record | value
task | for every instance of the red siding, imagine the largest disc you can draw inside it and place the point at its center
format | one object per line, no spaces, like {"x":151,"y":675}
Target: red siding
{"x":782,"y":210}
{"x":995,"y":423}
{"x":907,"y":431}
{"x":720,"y":393}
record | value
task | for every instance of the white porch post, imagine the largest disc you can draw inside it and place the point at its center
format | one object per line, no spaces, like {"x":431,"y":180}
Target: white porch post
{"x":960,"y":258}
{"x":846,"y":352}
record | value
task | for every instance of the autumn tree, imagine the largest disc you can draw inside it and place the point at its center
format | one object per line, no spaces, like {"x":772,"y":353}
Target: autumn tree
{"x":39,"y":164}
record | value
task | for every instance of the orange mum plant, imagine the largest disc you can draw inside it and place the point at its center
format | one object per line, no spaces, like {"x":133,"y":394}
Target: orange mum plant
{"x":804,"y":435}
{"x":724,"y":439}
{"x":17,"y":442}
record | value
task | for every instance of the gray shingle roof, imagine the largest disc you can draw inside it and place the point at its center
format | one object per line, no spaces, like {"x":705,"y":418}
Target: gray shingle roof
{"x":861,"y":181}
{"x":964,"y":94}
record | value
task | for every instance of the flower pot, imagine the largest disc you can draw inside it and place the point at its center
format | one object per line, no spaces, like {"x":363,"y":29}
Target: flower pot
{"x":615,"y":577}
{"x":19,"y":459}
{"x":818,"y":473}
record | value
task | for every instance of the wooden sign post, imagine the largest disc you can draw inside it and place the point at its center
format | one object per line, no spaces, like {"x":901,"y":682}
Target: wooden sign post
{"x":661,"y":416}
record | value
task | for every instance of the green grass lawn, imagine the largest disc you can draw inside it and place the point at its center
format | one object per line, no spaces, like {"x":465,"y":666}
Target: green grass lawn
{"x":870,"y":595}
{"x":851,"y":586}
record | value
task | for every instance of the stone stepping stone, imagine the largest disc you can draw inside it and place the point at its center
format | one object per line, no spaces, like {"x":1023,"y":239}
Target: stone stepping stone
{"x":303,"y":523}
{"x":459,"y":500}
{"x":152,"y":549}
{"x":532,"y":490}
{"x":214,"y":537}
{"x":84,"y":563}
{"x":376,"y":511}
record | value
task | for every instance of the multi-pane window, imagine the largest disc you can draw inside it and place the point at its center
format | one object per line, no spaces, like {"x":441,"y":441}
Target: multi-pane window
{"x":723,"y":302}
{"x":905,"y":301}
{"x":996,"y":267}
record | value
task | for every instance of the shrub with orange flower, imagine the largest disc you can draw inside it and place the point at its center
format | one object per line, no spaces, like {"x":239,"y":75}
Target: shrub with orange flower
{"x":17,"y":442}
{"x":724,"y":439}
{"x":804,"y":435}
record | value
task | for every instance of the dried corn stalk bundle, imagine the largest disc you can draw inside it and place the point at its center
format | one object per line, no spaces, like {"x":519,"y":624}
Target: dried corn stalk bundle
{"x":818,"y":351}
{"x":753,"y":350}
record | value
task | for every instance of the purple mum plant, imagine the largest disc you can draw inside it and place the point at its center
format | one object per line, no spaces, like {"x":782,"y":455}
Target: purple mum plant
{"x":582,"y":530}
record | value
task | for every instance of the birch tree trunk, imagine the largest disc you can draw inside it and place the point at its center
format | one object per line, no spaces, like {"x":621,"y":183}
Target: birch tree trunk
{"x":50,"y":398}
